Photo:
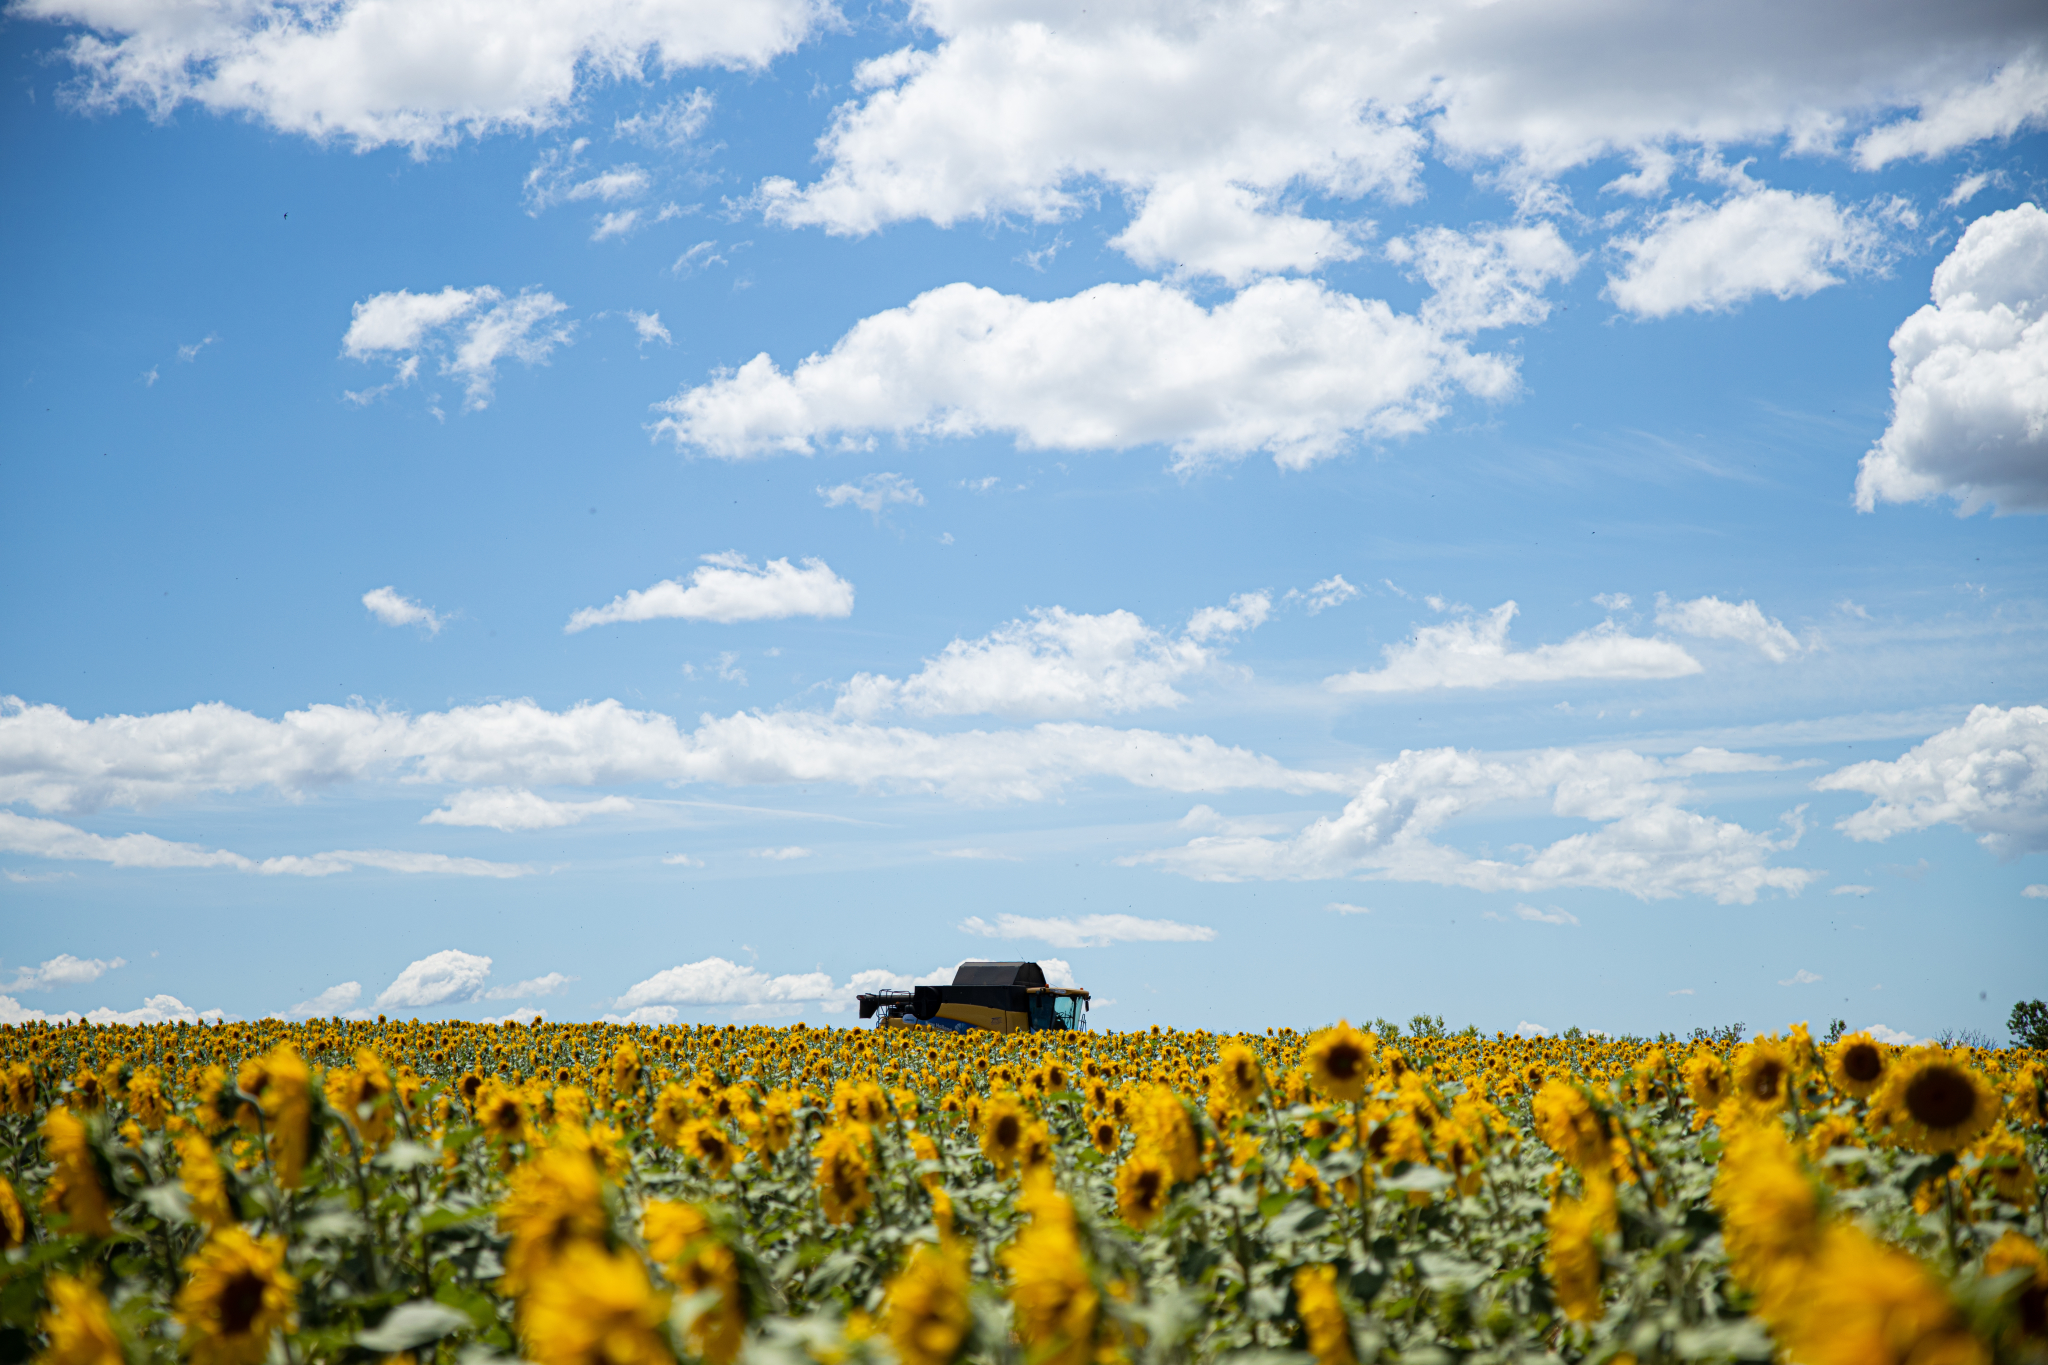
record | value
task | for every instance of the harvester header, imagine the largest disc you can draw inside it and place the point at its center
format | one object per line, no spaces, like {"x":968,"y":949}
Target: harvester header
{"x":1004,"y":997}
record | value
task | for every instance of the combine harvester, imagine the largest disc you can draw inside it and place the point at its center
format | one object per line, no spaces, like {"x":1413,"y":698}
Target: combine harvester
{"x":1005,"y":997}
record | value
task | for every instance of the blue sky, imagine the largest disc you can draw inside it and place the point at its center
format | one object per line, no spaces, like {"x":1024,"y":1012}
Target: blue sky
{"x":1530,"y":514}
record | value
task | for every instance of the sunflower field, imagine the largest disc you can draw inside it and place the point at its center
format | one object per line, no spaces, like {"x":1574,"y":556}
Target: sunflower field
{"x":585,"y":1194}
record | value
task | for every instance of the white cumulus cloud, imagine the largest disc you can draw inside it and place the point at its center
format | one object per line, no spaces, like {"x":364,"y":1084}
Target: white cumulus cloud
{"x":437,"y":978}
{"x":62,"y":970}
{"x":1710,"y":618}
{"x":1088,"y":931}
{"x":335,"y":1000}
{"x":2014,"y":98}
{"x":1970,"y":378}
{"x":1532,"y":915}
{"x":549,"y":984}
{"x":419,"y":74}
{"x":750,"y":992}
{"x":785,"y":854}
{"x":1473,"y":651}
{"x":156,"y":1009}
{"x":728,"y":587}
{"x":1802,"y":977}
{"x":874,"y":493}
{"x":54,"y":839}
{"x":1320,"y":597}
{"x":514,"y":808}
{"x":403,"y":326}
{"x":1760,"y":241}
{"x":1058,"y":663}
{"x":1285,"y":366}
{"x":1489,"y":277}
{"x":388,"y":606}
{"x":1210,"y":121}
{"x":1645,"y":841}
{"x":55,"y":761}
{"x":1988,"y":775}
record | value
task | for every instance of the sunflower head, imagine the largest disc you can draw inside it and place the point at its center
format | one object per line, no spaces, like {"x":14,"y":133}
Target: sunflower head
{"x":1856,"y":1065}
{"x":842,"y":1178}
{"x":1243,"y":1076}
{"x":1323,"y":1319}
{"x":926,"y":1312}
{"x":79,"y":1325}
{"x":1934,"y":1102}
{"x":1002,"y":1131}
{"x":1104,"y":1134}
{"x":1341,"y":1062}
{"x":1142,"y":1184}
{"x":236,"y":1296}
{"x":1763,"y":1075}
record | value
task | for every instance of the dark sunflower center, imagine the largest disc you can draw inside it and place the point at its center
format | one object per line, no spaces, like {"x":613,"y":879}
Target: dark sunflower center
{"x":713,"y":1149}
{"x":1940,"y":1098}
{"x":240,"y":1301}
{"x":1007,"y":1132}
{"x":1343,"y":1060}
{"x":1763,"y":1082}
{"x":1862,"y":1063}
{"x":1148,"y":1189}
{"x":844,"y":1187}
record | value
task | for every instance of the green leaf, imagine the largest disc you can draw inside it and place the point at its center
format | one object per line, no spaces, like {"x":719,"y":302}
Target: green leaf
{"x":412,"y":1325}
{"x":404,"y":1156}
{"x":1416,"y":1178}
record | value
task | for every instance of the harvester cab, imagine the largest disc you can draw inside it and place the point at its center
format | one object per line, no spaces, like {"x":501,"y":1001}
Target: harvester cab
{"x":1004,"y":997}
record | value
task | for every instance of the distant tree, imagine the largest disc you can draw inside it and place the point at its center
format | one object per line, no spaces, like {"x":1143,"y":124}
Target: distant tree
{"x":1965,"y":1037}
{"x":2029,"y":1024}
{"x":1427,"y":1026}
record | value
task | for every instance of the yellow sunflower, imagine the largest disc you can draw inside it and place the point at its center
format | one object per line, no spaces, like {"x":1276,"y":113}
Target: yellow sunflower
{"x":1706,"y":1082}
{"x":206,"y":1185}
{"x":1866,"y":1304}
{"x":237,"y":1294}
{"x":1142,"y":1183}
{"x":1054,"y":1298}
{"x":1340,"y":1061}
{"x":682,"y":1240}
{"x":1856,"y":1065}
{"x":1104,"y":1134}
{"x":707,"y":1144}
{"x":555,"y":1201}
{"x":672,"y":1110}
{"x":74,"y":1191}
{"x":79,"y":1325}
{"x":1323,"y":1319}
{"x":842,"y":1177}
{"x":1934,"y":1103}
{"x":13,"y":1219}
{"x":1763,"y":1075}
{"x":1003,"y":1127}
{"x":2014,"y":1252}
{"x":595,"y":1308}
{"x":1242,"y":1075}
{"x":926,"y":1312}
{"x":1572,"y":1256}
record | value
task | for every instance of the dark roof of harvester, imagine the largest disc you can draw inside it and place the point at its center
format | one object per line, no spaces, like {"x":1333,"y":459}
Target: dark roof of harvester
{"x":999,"y":974}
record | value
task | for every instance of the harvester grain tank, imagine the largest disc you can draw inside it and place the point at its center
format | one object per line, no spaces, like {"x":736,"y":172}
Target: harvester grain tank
{"x":1004,"y":997}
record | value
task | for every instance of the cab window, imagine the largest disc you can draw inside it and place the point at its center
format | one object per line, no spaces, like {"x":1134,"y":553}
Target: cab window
{"x":1066,"y":1010}
{"x":1040,"y":1009}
